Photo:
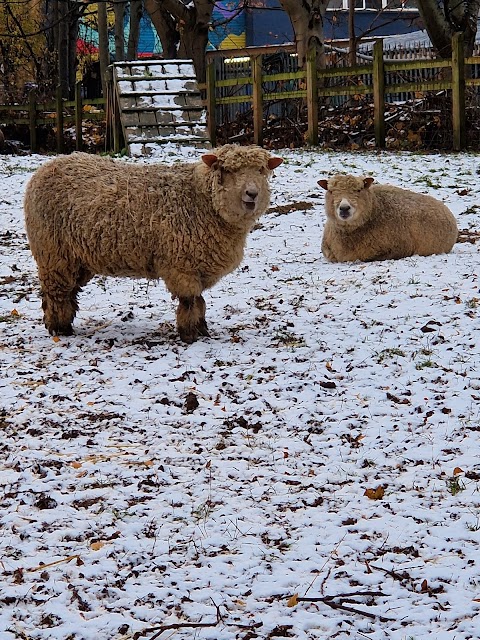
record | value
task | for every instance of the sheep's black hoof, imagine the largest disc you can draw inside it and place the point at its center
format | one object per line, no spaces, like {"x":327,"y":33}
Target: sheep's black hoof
{"x":202,"y":328}
{"x":187,"y":336}
{"x":190,"y":334}
{"x":66,"y":330}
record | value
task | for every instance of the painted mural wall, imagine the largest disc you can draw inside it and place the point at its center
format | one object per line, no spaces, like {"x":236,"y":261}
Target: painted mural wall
{"x":228,"y":25}
{"x":267,"y":23}
{"x":263,"y":23}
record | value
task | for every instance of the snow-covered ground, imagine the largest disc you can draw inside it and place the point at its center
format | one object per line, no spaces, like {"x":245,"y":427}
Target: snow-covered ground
{"x":326,"y":485}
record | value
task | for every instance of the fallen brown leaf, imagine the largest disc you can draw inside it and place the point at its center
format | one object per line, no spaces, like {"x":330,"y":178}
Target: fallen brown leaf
{"x":375,"y":494}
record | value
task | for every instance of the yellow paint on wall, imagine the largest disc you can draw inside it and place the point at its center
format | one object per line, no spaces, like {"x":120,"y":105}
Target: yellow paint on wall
{"x":234,"y":42}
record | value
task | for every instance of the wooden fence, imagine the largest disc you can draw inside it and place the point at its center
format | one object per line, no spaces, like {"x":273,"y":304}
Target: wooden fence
{"x":380,"y":77}
{"x":58,"y":113}
{"x":260,"y":76}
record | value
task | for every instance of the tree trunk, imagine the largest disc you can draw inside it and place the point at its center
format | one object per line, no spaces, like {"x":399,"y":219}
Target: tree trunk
{"x":136,"y":11}
{"x":442,"y":23}
{"x":193,"y":22}
{"x":193,"y":43}
{"x":119,"y":13}
{"x":352,"y":40}
{"x":307,"y":18}
{"x":165,"y":26}
{"x":103,"y":51}
{"x":62,"y":48}
{"x":73,"y":20}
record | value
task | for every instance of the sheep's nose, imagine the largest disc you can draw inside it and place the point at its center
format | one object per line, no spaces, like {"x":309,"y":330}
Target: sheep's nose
{"x":344,"y":210}
{"x":252,"y":193}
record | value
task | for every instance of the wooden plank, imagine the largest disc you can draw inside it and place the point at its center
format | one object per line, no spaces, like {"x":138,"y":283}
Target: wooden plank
{"x":312,"y":96}
{"x":164,"y":139}
{"x":239,"y":99}
{"x":90,"y":101}
{"x":345,"y":90}
{"x":257,"y":100}
{"x":191,"y":126}
{"x":164,"y":117}
{"x":146,"y":78}
{"x":14,"y":107}
{"x":458,"y":93}
{"x":32,"y":120}
{"x":60,"y":139}
{"x":155,"y":108}
{"x":130,"y":119}
{"x":409,"y":65}
{"x":418,"y":87}
{"x":211,"y":103}
{"x":234,"y":82}
{"x":293,"y":75}
{"x":301,"y":93}
{"x":169,"y":102}
{"x":359,"y":70}
{"x":157,"y":92}
{"x":251,"y":52}
{"x":379,"y":94}
{"x":78,"y":116}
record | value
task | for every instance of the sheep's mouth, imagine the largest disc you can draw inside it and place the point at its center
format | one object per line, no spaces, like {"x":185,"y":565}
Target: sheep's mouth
{"x":249,"y":206}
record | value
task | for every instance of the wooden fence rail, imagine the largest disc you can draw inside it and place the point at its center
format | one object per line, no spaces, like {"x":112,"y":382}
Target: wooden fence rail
{"x":367,"y":79}
{"x":35,"y":114}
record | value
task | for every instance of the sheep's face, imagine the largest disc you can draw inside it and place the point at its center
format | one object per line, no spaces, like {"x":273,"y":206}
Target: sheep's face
{"x":347,"y":201}
{"x":241,"y":193}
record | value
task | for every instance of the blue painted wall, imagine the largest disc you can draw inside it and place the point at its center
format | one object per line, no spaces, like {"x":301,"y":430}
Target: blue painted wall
{"x":267,"y":23}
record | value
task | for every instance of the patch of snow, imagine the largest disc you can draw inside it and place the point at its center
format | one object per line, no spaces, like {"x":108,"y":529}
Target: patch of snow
{"x":123,"y":510}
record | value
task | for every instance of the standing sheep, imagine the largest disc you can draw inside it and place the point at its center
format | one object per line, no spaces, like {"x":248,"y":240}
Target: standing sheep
{"x":382,"y":222}
{"x":186,"y":224}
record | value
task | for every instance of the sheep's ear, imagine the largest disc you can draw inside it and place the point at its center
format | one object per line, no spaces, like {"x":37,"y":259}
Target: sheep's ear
{"x":323,"y":184}
{"x":273,"y":163}
{"x":209,"y":159}
{"x":367,"y":182}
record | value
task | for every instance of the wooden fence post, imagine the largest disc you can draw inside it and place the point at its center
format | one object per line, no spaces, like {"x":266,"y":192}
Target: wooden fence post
{"x":32,"y":117}
{"x":458,"y":92}
{"x":257,"y":99}
{"x":117,"y":123}
{"x":312,"y":96}
{"x":379,"y":94}
{"x":108,"y":80}
{"x":60,"y":142}
{"x":211,"y":103}
{"x":78,"y":116}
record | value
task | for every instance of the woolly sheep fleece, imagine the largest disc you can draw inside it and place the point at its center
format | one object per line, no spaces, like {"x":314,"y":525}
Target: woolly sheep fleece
{"x":382,"y":222}
{"x":187,"y":224}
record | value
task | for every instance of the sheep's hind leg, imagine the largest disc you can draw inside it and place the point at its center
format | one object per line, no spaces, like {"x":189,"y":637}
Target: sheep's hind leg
{"x":191,"y":321}
{"x":59,"y":299}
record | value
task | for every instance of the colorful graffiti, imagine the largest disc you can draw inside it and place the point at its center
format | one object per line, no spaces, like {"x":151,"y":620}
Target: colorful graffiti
{"x":228,"y":25}
{"x":228,"y":31}
{"x":264,"y":22}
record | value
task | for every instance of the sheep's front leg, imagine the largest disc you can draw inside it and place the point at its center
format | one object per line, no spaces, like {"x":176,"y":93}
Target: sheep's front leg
{"x":191,"y":321}
{"x":59,"y":290}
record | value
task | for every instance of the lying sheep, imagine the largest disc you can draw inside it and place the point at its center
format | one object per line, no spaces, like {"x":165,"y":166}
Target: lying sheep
{"x":186,"y":224}
{"x":382,"y":222}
